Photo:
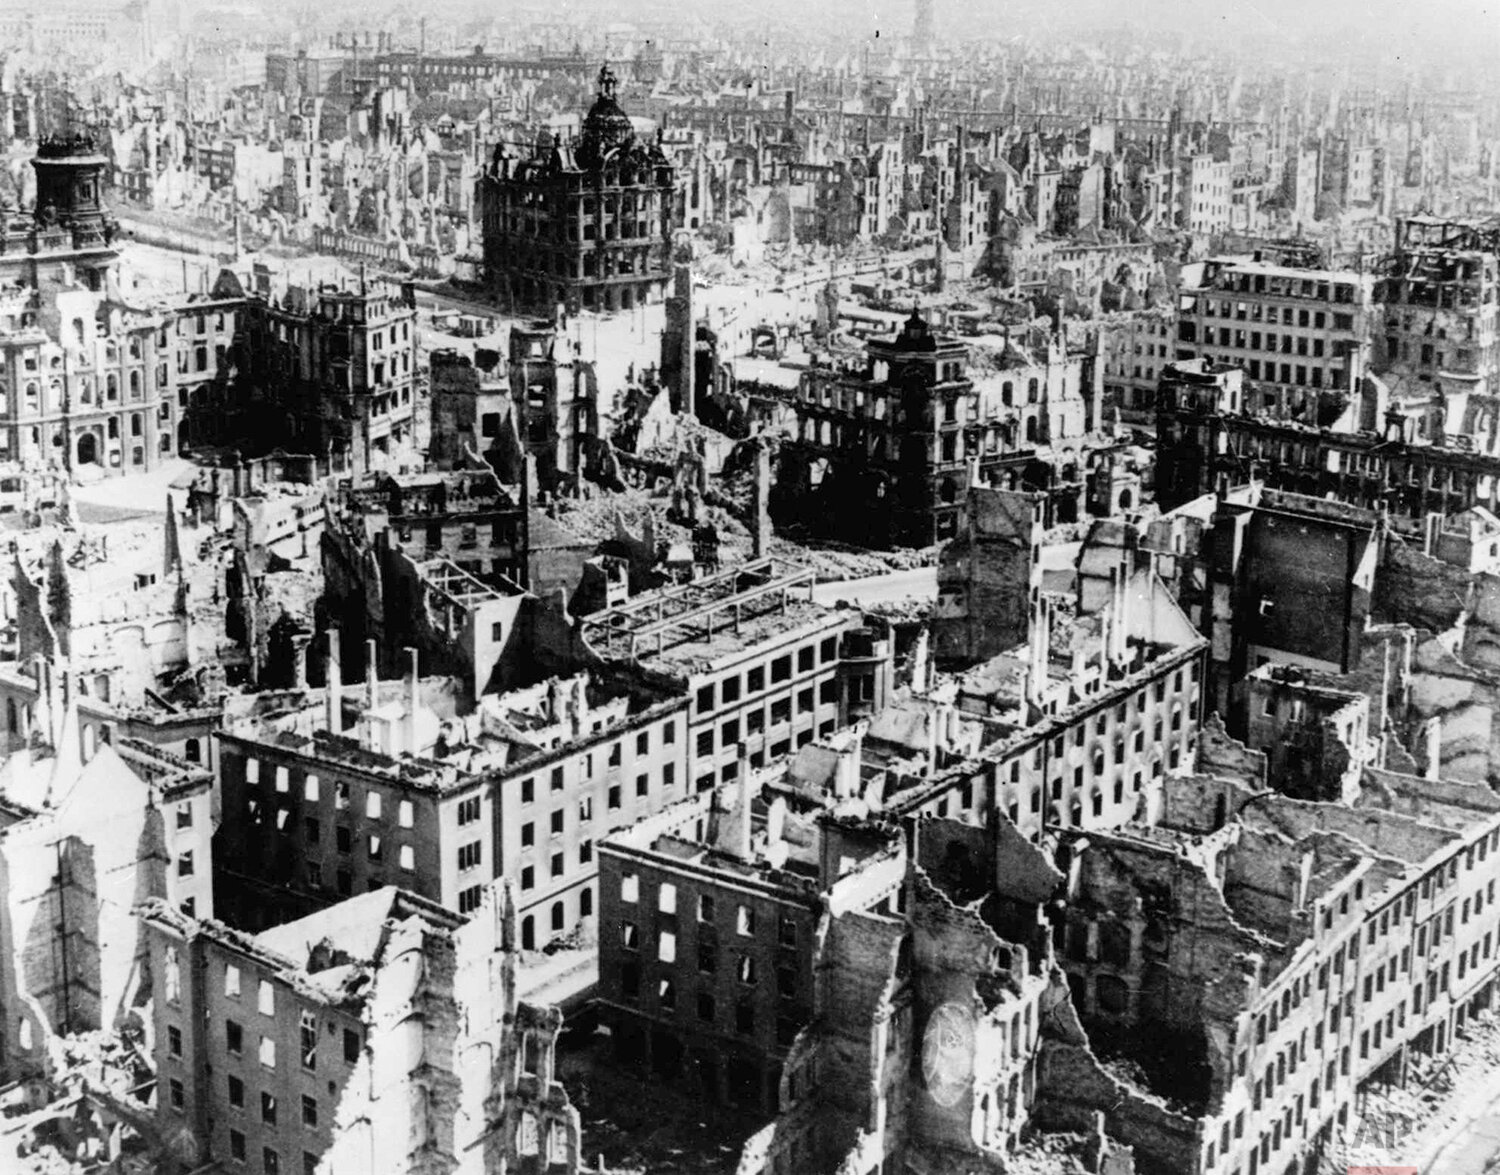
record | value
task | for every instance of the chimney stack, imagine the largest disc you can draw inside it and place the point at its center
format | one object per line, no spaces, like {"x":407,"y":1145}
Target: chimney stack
{"x":747,"y":792}
{"x":372,"y":675}
{"x":334,"y":695}
{"x":413,"y":697}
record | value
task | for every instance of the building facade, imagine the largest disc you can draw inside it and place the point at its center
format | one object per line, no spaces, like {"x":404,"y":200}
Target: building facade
{"x":297,"y":1050}
{"x":585,"y":224}
{"x":413,"y":793}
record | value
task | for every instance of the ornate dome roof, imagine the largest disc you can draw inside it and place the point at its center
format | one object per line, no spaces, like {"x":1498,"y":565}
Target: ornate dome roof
{"x":607,"y":126}
{"x":916,"y":335}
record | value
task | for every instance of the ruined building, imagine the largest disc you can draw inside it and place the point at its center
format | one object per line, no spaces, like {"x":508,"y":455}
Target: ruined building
{"x":1301,"y":336}
{"x":471,"y":412}
{"x":330,"y":371}
{"x":587,"y":223}
{"x":1359,"y":944}
{"x":87,"y":380}
{"x":433,"y":561}
{"x":911,"y":428}
{"x":403,"y":781}
{"x":121,"y":622}
{"x":764,"y":668}
{"x":989,"y":577}
{"x":710,"y":913}
{"x":87,"y":831}
{"x":70,"y":223}
{"x":384,"y":1033}
{"x":1205,"y":439}
{"x":1083,"y":717}
{"x":554,"y":400}
{"x":942,"y":1028}
{"x":1439,"y":343}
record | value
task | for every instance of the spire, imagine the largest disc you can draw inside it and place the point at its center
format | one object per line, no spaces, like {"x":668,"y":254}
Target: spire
{"x":607,"y":82}
{"x":171,"y":560}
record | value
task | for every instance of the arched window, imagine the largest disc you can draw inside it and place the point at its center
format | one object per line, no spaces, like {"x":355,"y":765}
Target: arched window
{"x":191,"y":751}
{"x":528,"y":933}
{"x":558,"y":915}
{"x":1031,"y":390}
{"x":1031,"y":429}
{"x":585,"y":902}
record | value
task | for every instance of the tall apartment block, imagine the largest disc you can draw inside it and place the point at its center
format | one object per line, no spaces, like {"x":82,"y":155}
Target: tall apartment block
{"x":336,"y":792}
{"x":1300,"y":336}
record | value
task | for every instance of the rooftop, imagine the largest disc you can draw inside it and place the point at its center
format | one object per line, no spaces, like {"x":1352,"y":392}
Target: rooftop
{"x":688,"y":628}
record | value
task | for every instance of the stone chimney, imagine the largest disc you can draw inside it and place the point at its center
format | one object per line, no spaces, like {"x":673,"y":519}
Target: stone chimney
{"x":580,"y":707}
{"x":372,"y":675}
{"x":413,"y":701}
{"x":333,"y":716}
{"x":760,"y":535}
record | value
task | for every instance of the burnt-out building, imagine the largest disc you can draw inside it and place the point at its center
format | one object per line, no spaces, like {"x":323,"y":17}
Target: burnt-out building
{"x":297,"y":1049}
{"x":906,"y":430}
{"x":330,"y":370}
{"x":1205,"y":440}
{"x":585,"y":223}
{"x":328,"y":793}
{"x":711,"y":913}
{"x":1333,"y":948}
{"x":765,"y":668}
{"x":437,"y":561}
{"x":1440,"y":346}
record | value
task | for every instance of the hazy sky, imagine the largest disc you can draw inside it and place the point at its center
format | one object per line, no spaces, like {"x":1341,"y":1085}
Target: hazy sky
{"x":1393,"y":27}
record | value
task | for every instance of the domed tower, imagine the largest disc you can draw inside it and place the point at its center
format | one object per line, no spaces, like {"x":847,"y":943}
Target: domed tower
{"x":70,"y":215}
{"x":583,"y":225}
{"x":607,"y":127}
{"x":70,"y":184}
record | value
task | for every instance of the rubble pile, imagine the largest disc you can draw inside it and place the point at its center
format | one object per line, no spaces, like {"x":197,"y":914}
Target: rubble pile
{"x":1414,"y":1123}
{"x":1048,"y":1154}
